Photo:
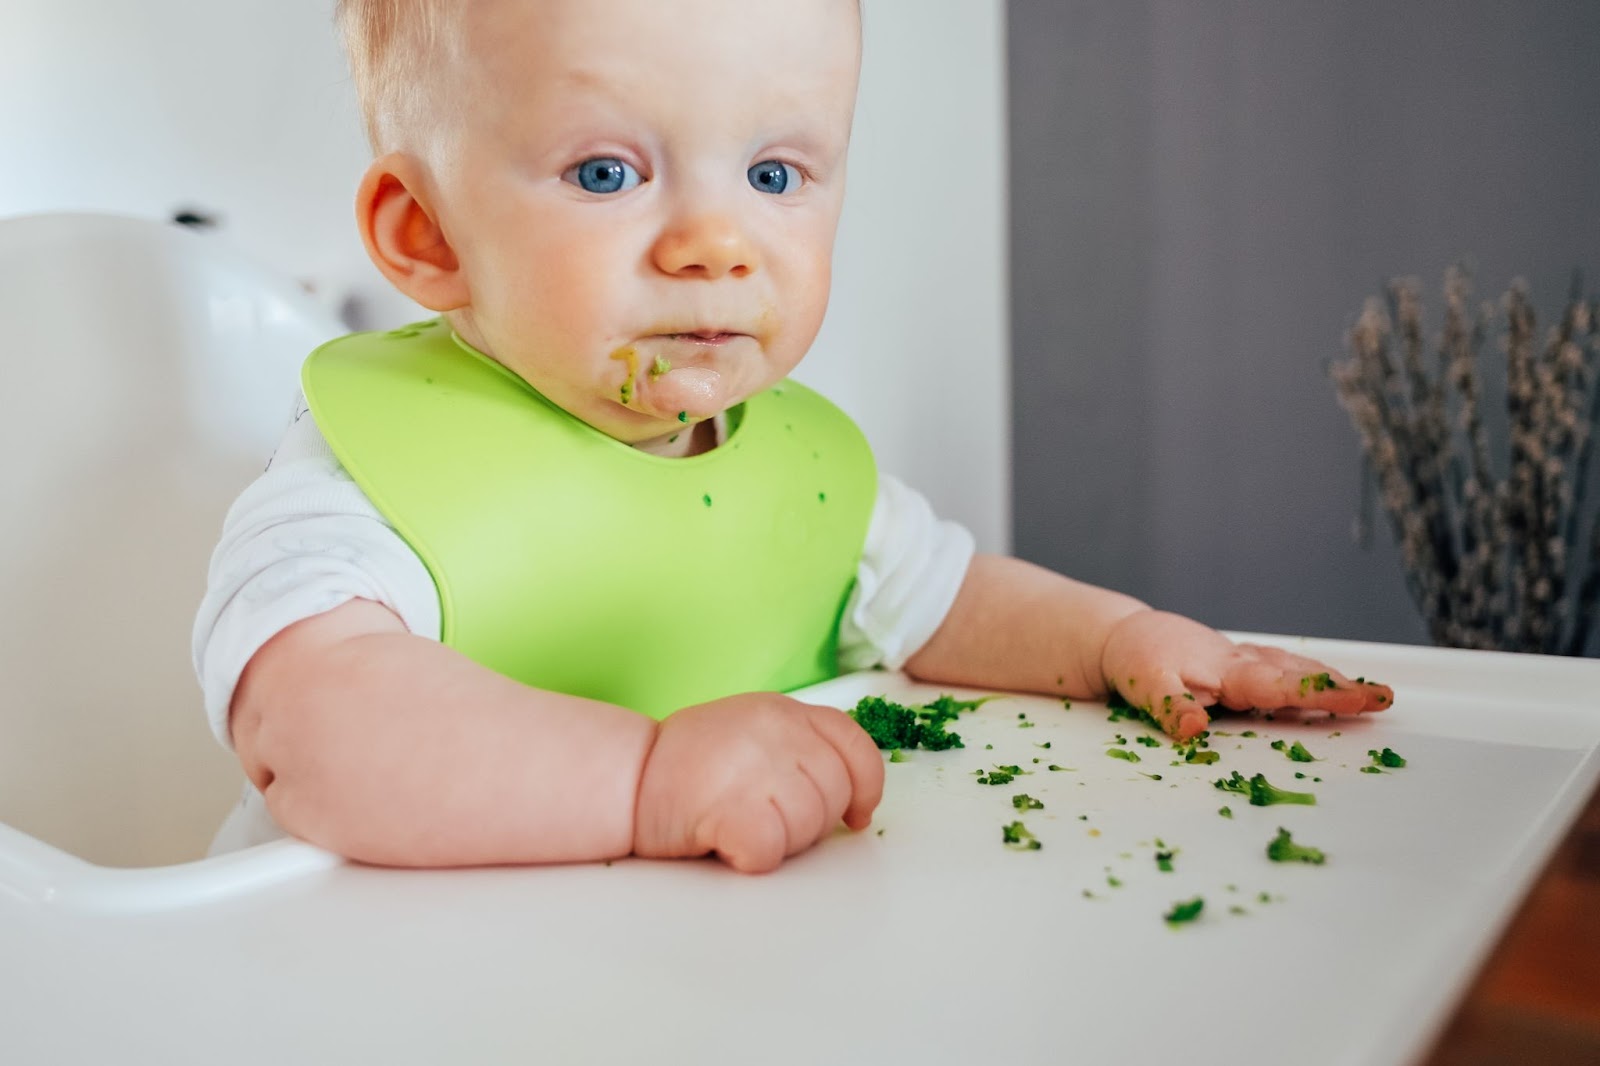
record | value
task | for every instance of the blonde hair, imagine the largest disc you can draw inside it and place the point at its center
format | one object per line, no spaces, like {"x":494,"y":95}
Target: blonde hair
{"x":392,"y":47}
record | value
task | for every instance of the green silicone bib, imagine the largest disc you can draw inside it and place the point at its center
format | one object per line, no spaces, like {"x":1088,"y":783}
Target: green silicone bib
{"x":573,"y":562}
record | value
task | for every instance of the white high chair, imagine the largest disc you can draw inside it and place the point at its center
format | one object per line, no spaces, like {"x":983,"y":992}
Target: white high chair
{"x":148,"y":372}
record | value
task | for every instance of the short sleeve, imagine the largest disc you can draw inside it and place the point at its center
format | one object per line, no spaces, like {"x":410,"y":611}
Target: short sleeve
{"x":911,"y":568}
{"x":301,"y":540}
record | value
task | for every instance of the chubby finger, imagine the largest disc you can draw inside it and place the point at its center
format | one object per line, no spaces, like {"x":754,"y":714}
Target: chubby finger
{"x":752,"y":837}
{"x":800,"y":801}
{"x":862,"y":761}
{"x":827,"y":773}
{"x":1270,"y":678}
{"x":1180,"y":713}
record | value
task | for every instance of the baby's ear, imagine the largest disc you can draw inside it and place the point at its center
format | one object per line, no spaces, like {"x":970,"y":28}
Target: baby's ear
{"x":403,"y":235}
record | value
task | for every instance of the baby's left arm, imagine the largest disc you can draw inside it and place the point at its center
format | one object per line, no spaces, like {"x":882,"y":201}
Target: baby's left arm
{"x":1021,"y":627}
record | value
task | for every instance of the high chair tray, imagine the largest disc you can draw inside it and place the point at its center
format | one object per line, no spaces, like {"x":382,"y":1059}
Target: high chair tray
{"x":924,"y":939}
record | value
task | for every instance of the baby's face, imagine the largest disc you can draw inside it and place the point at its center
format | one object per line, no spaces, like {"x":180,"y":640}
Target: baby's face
{"x":644,"y":194}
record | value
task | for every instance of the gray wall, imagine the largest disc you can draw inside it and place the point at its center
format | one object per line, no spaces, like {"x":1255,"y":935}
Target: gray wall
{"x":1203,"y":193}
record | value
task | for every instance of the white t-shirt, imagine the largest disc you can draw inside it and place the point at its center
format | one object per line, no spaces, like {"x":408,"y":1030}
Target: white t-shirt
{"x":303,"y":539}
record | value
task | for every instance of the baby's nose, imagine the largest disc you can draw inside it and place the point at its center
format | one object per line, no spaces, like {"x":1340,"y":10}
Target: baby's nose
{"x":709,"y":246}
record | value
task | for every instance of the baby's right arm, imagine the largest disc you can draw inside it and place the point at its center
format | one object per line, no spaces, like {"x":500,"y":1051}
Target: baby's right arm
{"x":393,"y":749}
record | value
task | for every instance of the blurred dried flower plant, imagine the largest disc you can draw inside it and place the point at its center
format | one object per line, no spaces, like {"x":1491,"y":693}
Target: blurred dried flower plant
{"x":1502,"y":555}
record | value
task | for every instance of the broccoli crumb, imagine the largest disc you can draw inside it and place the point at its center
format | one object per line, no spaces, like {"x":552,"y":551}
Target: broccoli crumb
{"x":1117,"y":738}
{"x":1066,"y":705}
{"x":1148,"y":741}
{"x":1387,"y":757}
{"x":1026,"y":725}
{"x":1045,"y":745}
{"x":1124,"y":754}
{"x":1371,"y":770}
{"x":1164,"y":860}
{"x":1112,"y":881}
{"x":659,"y":367}
{"x":1120,"y":708}
{"x":1184,"y":911}
{"x":1024,"y":802}
{"x":1226,"y":812}
{"x":1261,"y":792}
{"x":683,"y":416}
{"x":897,"y":755}
{"x":1283,"y":849}
{"x":1296,"y":752}
{"x":1060,"y":769}
{"x":1316,"y":683}
{"x":1236,"y":909}
{"x":1153,"y":777}
{"x":1016,"y":837}
{"x":1248,"y":733}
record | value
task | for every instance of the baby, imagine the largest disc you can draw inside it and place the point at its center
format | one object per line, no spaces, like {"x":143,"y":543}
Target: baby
{"x":524,"y":584}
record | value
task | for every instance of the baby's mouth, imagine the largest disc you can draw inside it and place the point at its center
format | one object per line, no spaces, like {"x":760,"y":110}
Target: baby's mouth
{"x":708,"y":337}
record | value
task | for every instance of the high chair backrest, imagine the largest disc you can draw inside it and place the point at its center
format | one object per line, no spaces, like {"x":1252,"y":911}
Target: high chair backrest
{"x":146,"y":372}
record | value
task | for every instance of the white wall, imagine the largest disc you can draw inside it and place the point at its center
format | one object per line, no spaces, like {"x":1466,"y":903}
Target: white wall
{"x":244,"y":108}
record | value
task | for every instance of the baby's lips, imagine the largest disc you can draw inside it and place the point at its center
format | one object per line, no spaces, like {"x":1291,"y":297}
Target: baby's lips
{"x":696,"y":391}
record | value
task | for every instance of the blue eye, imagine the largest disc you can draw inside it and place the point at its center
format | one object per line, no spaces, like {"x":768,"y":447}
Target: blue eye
{"x":774,"y":177}
{"x":602,"y":174}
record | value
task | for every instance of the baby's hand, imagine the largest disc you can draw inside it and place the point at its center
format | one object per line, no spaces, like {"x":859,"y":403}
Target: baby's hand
{"x":1175,"y":668}
{"x":755,"y":778}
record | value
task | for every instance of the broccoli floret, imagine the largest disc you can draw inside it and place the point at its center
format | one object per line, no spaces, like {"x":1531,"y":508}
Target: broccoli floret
{"x":893,"y":725}
{"x":1016,"y":837}
{"x":1284,"y":849}
{"x":934,"y":737}
{"x":1024,"y":802}
{"x":1184,"y":911}
{"x":1261,"y":792}
{"x":890,"y":725}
